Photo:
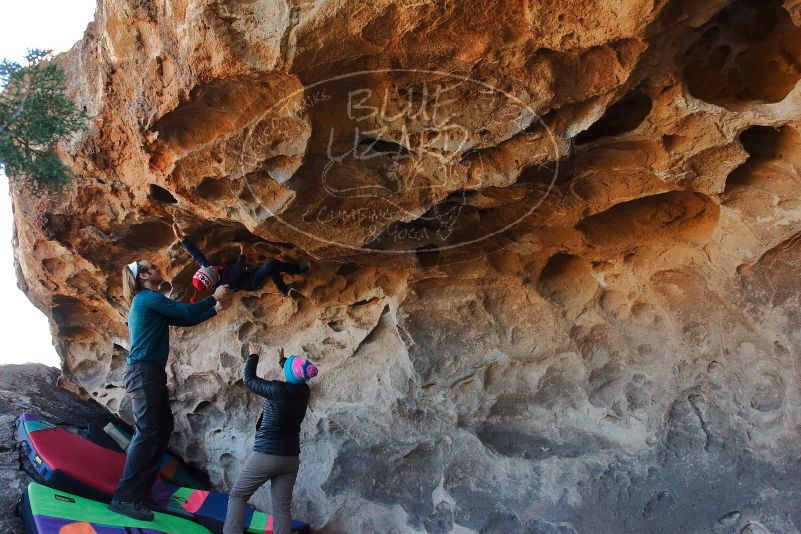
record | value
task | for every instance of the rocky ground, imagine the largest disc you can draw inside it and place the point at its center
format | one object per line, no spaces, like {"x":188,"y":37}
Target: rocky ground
{"x":33,"y":388}
{"x":555,"y":249}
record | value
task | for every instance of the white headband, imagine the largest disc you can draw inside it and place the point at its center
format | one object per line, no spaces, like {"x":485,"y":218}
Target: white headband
{"x":134,"y":267}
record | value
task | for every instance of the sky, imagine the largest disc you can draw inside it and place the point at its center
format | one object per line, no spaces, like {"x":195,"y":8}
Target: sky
{"x":57,"y":25}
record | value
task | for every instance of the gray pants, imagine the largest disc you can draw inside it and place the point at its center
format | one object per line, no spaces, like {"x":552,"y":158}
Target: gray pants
{"x":259,"y":468}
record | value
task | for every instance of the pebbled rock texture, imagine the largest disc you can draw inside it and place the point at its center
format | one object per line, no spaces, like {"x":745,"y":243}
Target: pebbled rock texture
{"x":555,"y":250}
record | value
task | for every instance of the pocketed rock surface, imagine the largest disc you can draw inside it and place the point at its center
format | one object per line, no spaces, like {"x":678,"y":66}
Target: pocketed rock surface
{"x":555,"y":250}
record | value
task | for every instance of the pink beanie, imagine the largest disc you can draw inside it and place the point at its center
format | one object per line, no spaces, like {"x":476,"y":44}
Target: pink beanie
{"x":298,"y":370}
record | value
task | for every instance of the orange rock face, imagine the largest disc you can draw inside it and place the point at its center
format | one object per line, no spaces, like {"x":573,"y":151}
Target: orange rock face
{"x":554,"y":247}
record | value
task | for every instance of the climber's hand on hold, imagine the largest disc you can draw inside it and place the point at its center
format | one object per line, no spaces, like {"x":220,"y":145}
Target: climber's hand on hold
{"x":281,"y":358}
{"x":177,"y":231}
{"x":241,"y":249}
{"x":254,"y":349}
{"x":222,"y":305}
{"x":222,"y":293}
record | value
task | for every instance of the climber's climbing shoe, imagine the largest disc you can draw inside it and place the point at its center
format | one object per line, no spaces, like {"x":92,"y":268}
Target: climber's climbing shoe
{"x":135,"y":510}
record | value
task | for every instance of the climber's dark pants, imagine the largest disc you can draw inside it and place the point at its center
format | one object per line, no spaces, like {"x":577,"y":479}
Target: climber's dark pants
{"x":272,"y":269}
{"x":146,"y":384}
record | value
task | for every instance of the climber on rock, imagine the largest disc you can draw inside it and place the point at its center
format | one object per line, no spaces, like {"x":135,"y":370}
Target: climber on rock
{"x":238,"y":275}
{"x":149,"y":318}
{"x":276,"y":451}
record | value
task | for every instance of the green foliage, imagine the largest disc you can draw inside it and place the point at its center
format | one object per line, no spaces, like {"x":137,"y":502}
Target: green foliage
{"x":34,"y":114}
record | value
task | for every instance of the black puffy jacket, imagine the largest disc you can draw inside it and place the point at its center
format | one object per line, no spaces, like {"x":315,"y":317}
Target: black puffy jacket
{"x":278,"y":431}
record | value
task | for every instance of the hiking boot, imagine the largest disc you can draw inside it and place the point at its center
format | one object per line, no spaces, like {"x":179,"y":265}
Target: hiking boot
{"x":135,"y":510}
{"x":286,"y":289}
{"x":295,"y":294}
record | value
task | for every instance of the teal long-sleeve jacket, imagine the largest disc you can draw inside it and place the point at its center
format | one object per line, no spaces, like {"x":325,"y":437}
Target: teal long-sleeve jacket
{"x":149,"y":320}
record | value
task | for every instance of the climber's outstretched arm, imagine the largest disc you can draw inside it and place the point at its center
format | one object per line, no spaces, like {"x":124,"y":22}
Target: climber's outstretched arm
{"x":190,"y":247}
{"x":268,"y":389}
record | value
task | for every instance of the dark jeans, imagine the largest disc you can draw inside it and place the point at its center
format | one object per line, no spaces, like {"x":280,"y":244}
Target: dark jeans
{"x":146,"y":383}
{"x":272,"y":269}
